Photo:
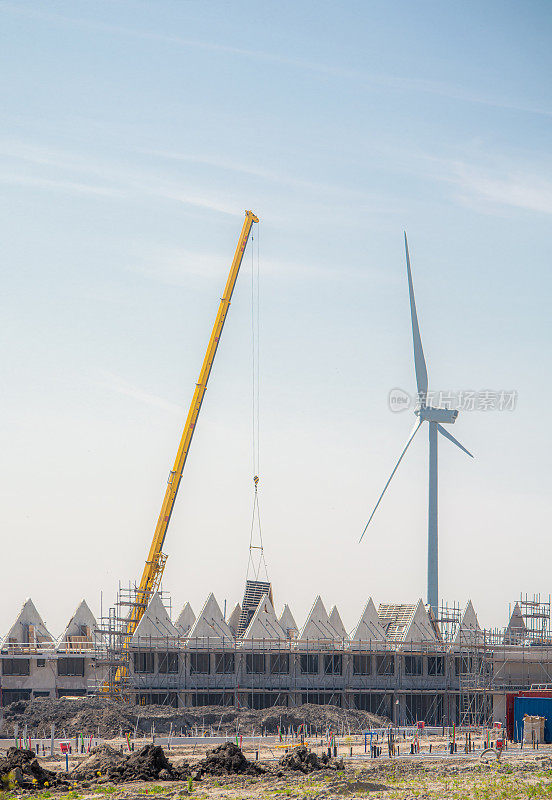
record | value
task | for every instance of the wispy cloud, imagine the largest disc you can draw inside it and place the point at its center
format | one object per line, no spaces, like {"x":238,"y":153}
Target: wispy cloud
{"x":396,"y":82}
{"x":95,"y":177}
{"x":489,"y":184}
{"x":65,"y":160}
{"x":192,"y":198}
{"x":174,"y":267}
{"x":55,"y":184}
{"x":114,"y":383}
{"x":264,"y":174}
{"x":63,"y":170}
{"x":516,"y":190}
{"x":486,"y":181}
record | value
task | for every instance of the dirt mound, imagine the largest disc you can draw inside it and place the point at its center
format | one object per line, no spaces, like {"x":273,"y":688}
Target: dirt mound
{"x":89,"y":716}
{"x":148,"y":763}
{"x":320,"y":718}
{"x":226,"y":759}
{"x":20,"y":768}
{"x":301,"y":759}
{"x":18,"y":707}
{"x":110,"y":718}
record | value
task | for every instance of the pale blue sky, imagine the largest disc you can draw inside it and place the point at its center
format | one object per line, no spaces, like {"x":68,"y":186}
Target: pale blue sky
{"x":134,"y":135}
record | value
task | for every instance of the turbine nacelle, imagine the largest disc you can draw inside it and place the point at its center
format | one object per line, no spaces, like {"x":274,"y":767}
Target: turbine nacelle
{"x":430,"y":414}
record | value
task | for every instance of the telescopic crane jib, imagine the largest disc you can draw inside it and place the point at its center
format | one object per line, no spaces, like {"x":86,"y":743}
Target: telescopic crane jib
{"x":155,"y":563}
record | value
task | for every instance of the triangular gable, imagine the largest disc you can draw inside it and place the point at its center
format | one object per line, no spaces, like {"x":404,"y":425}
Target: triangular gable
{"x":79,"y":633}
{"x":369,"y":628}
{"x":287,"y":623}
{"x":420,"y":628}
{"x":29,"y":629}
{"x":317,"y":627}
{"x":264,"y":624}
{"x":155,"y":622}
{"x":516,"y":630}
{"x":234,"y":619}
{"x":434,"y":623}
{"x":468,"y":631}
{"x":210,"y":627}
{"x":185,"y":620}
{"x":337,"y":624}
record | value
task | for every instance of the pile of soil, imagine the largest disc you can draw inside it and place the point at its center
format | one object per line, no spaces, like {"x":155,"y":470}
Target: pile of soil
{"x":20,"y":768}
{"x":226,"y":759}
{"x":335,"y":718}
{"x":87,"y":715}
{"x":301,"y":759}
{"x":148,"y":763}
{"x":110,"y":718}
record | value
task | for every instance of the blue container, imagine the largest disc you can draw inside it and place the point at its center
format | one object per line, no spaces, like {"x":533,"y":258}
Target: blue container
{"x":535,"y":707}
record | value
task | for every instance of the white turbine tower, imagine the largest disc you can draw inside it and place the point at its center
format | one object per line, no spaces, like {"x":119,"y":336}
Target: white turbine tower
{"x":435,"y":417}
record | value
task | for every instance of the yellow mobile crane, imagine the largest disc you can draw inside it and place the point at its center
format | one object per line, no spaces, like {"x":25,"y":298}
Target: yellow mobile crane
{"x":155,"y":563}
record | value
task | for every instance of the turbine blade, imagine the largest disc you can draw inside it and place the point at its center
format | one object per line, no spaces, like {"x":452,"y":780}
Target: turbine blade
{"x":407,"y":445}
{"x":451,"y":438}
{"x":419,"y":360}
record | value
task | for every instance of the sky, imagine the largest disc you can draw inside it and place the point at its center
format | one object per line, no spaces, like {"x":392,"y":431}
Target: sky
{"x":134,"y":136}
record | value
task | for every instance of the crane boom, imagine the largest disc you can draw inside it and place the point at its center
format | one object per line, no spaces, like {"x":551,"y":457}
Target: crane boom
{"x":155,"y":563}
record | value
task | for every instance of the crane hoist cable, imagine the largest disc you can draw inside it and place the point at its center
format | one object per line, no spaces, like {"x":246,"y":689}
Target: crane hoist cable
{"x":255,"y":535}
{"x":255,"y":353}
{"x":155,"y":562}
{"x":261,"y":562}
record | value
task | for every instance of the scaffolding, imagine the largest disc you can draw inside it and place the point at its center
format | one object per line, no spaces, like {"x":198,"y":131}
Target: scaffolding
{"x":474,"y":667}
{"x":112,"y":642}
{"x":536,"y":616}
{"x":448,"y":620}
{"x":445,"y":673}
{"x":427,"y":681}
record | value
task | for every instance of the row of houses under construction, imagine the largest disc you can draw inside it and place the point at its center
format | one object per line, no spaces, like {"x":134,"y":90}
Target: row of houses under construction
{"x":398,"y":661}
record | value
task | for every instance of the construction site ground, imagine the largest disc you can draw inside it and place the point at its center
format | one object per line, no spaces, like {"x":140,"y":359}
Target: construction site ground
{"x":520,"y":773}
{"x":186,"y":767}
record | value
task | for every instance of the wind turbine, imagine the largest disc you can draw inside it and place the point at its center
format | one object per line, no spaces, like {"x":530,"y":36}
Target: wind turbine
{"x":435,"y":417}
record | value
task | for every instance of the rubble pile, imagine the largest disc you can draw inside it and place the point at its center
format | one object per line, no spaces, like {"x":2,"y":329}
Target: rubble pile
{"x":226,"y":759}
{"x":148,"y":763}
{"x":20,"y":769}
{"x":301,"y":759}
